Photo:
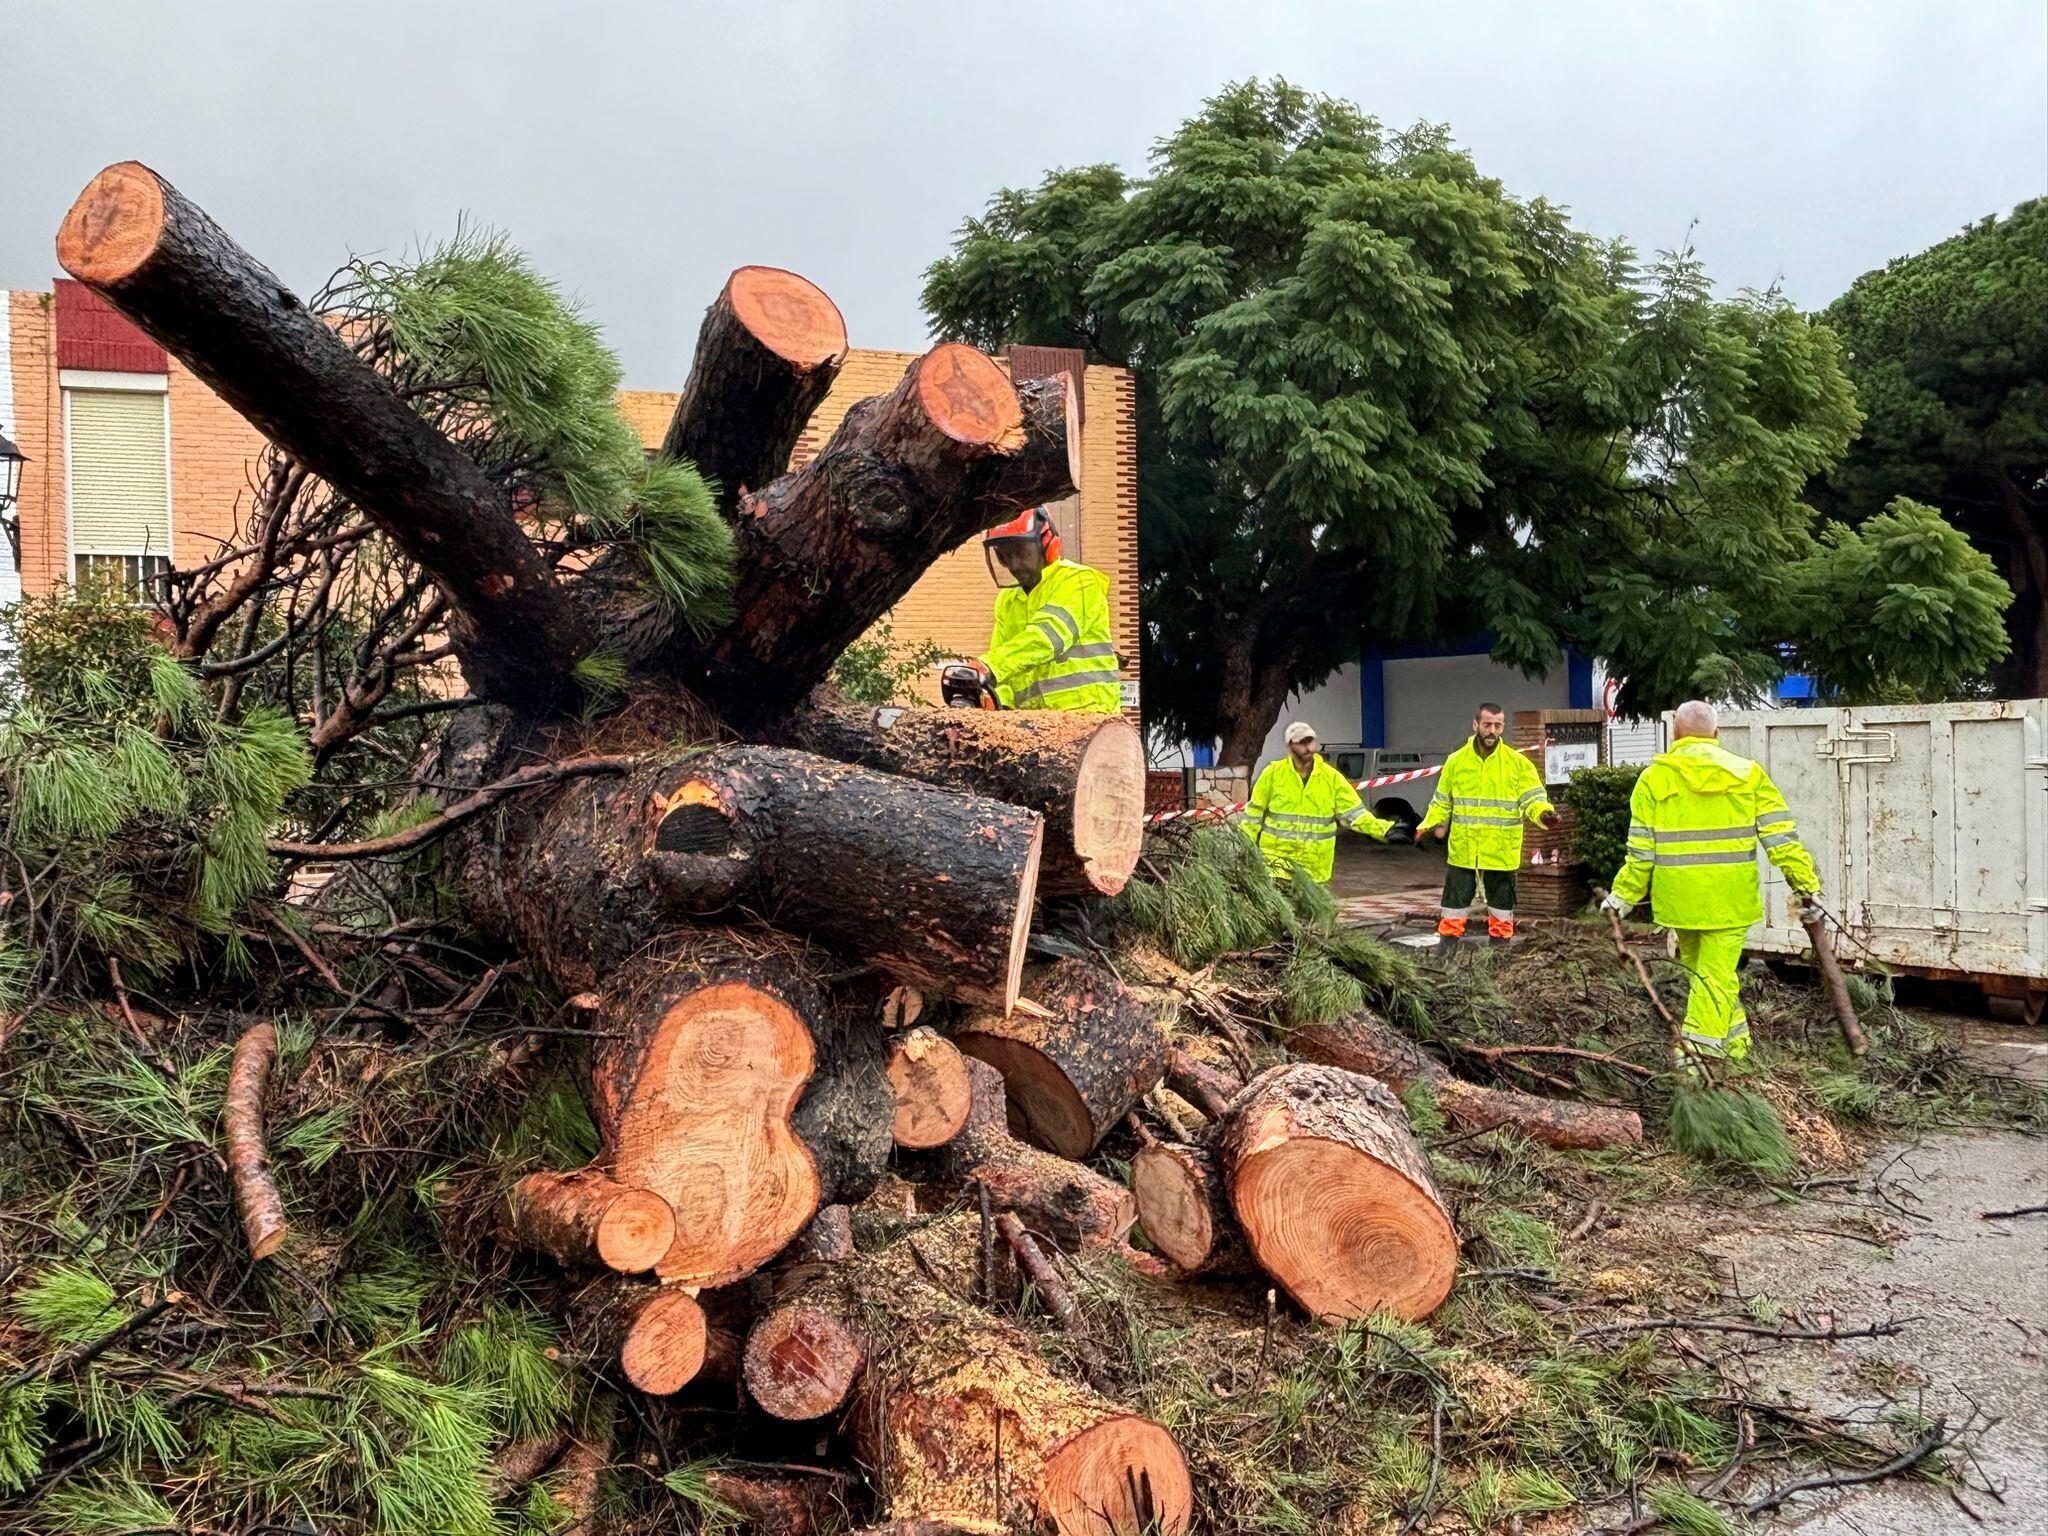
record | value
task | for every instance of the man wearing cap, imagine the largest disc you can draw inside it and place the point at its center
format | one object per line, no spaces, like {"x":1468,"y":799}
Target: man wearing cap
{"x":1297,"y":806}
{"x":1486,"y":790}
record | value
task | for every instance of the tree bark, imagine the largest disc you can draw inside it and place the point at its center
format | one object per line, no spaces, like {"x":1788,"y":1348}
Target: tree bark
{"x":1209,"y":1088}
{"x":1073,"y":1071}
{"x":963,"y":1421}
{"x":933,"y":887}
{"x":140,"y":244}
{"x":767,"y":353}
{"x":826,"y":551}
{"x":655,"y":1332}
{"x":933,"y":1091}
{"x":1360,"y":1043}
{"x":1084,"y":773}
{"x":1335,"y":1196}
{"x":1073,"y":1205}
{"x":778,"y":1506}
{"x":263,"y":1219}
{"x":588,"y":1218}
{"x":1255,"y":686}
{"x":1184,"y":1207}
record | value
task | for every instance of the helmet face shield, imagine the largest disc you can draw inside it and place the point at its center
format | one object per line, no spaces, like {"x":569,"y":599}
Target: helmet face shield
{"x":1006,"y":557}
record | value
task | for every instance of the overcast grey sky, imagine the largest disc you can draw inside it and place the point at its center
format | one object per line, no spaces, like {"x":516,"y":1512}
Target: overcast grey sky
{"x":640,"y":150}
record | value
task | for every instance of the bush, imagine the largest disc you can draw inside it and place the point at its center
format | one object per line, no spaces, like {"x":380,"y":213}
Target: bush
{"x":875,"y":669}
{"x":1598,"y":799}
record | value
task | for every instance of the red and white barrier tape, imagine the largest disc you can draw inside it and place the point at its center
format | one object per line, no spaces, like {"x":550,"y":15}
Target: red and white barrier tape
{"x":1216,"y":812}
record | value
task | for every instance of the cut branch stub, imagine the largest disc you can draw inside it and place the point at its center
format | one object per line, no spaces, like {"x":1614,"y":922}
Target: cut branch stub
{"x":1072,"y":1204}
{"x":656,"y":1332}
{"x":586,"y":1217}
{"x":933,"y":1092}
{"x":768,"y":351}
{"x":827,"y":550}
{"x":1334,"y":1194}
{"x":933,"y":886}
{"x":1074,"y":1070}
{"x":1184,"y":1207}
{"x":803,"y":1358}
{"x":136,"y":241}
{"x":263,"y":1219}
{"x":1084,"y":773}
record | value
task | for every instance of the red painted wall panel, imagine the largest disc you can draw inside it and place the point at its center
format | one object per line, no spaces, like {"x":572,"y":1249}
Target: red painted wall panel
{"x":91,"y":333}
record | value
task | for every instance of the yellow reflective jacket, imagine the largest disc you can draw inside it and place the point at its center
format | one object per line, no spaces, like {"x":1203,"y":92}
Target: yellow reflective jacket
{"x":1484,"y":799}
{"x":1294,"y":821}
{"x":1051,"y":648}
{"x":1696,"y":819}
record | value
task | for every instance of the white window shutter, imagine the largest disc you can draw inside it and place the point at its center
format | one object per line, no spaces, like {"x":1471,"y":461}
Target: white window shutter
{"x":119,"y":472}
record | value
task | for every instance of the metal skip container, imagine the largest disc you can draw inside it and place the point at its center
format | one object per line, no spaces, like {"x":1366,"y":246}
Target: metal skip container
{"x":1929,"y":825}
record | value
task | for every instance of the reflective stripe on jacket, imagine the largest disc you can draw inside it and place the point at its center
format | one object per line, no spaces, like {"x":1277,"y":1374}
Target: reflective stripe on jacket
{"x":1052,"y":648}
{"x":1697,"y":817}
{"x":1485,"y":800}
{"x":1294,"y":821}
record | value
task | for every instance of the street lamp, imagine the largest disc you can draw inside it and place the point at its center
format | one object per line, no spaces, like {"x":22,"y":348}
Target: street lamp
{"x":11,"y":460}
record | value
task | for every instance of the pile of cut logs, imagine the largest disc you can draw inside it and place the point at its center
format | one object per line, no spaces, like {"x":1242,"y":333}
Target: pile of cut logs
{"x":801,"y":941}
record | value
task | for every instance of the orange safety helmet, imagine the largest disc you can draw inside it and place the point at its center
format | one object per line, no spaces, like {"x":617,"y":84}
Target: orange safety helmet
{"x":1035,"y":525}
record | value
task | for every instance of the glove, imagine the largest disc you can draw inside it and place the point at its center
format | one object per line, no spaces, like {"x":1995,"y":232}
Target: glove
{"x":1613,"y":903}
{"x":969,"y":685}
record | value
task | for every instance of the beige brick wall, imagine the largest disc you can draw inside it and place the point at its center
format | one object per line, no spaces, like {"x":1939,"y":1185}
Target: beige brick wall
{"x":214,"y":454}
{"x":39,"y":433}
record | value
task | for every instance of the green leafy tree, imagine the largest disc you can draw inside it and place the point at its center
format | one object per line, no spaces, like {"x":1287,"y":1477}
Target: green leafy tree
{"x":1949,"y":351}
{"x":1383,"y":400}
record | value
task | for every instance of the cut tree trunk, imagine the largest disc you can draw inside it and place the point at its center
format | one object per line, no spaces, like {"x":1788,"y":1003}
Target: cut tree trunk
{"x":826,"y":551}
{"x":827,"y":1240}
{"x":696,"y":1083}
{"x":586,"y":1217}
{"x":256,"y":1193}
{"x":964,"y":1422}
{"x":1084,"y":773}
{"x":848,"y":1110}
{"x":1073,"y":1205}
{"x":931,"y":886}
{"x":768,"y":351}
{"x":1074,"y":1070}
{"x":1184,"y":1207}
{"x":1334,"y":1194}
{"x":656,"y":1332}
{"x":933,"y":1091}
{"x":1361,"y":1043}
{"x":803,"y":1358}
{"x":140,"y":244}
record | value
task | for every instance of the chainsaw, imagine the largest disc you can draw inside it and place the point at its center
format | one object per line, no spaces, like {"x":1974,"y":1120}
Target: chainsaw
{"x":967,"y":686}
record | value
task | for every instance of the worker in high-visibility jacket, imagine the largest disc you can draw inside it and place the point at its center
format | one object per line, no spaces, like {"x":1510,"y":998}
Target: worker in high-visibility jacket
{"x":1482,"y":797}
{"x":1051,"y":647}
{"x":1696,"y":819}
{"x":1298,"y":806}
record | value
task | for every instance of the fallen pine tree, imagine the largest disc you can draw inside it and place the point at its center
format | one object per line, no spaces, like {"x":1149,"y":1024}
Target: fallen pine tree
{"x":528,"y":1138}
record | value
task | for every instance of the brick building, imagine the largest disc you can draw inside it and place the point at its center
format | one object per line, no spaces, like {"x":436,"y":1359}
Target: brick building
{"x":134,"y":465}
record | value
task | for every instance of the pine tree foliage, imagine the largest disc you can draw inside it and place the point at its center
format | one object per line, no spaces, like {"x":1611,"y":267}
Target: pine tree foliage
{"x":1383,"y":399}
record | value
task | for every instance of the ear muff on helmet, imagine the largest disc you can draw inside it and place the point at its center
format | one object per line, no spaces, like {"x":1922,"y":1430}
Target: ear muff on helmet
{"x":1036,"y":526}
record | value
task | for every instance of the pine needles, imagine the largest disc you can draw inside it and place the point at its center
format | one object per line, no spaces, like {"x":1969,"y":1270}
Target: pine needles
{"x":1730,"y":1125}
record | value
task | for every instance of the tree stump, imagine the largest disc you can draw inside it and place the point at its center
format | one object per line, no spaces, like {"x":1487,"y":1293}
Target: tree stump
{"x":803,"y":1358}
{"x":1075,"y":1071}
{"x":1334,"y":1194}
